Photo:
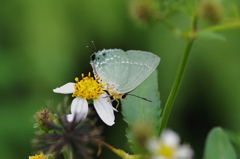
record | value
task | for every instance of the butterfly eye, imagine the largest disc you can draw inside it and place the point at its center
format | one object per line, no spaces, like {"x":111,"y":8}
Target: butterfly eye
{"x":123,"y":96}
{"x":93,"y":56}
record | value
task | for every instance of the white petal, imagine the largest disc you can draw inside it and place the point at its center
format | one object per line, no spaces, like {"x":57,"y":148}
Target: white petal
{"x":70,"y":117}
{"x":65,"y":89}
{"x":170,"y":138}
{"x":153,"y":144}
{"x":104,"y":110}
{"x":79,"y":107}
{"x":184,"y":152}
{"x":105,"y":96}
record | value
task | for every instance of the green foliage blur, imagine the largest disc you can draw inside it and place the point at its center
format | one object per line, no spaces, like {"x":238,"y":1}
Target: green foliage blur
{"x":43,"y":46}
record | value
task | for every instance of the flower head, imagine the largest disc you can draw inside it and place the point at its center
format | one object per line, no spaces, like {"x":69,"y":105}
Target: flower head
{"x":144,"y":11}
{"x":88,"y":89}
{"x":42,"y":118}
{"x":41,"y":156}
{"x":211,"y":11}
{"x":168,"y":147}
{"x":74,"y":138}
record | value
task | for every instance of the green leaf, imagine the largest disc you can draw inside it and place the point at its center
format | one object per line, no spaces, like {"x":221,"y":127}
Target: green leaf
{"x":136,"y":110}
{"x":210,"y":35}
{"x":218,"y":145}
{"x":234,"y":137}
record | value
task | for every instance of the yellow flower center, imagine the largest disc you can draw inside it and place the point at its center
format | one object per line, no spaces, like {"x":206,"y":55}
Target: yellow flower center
{"x":41,"y":156}
{"x":166,"y":151}
{"x":88,"y":87}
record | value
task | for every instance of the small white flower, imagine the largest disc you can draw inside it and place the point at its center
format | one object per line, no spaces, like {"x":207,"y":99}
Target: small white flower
{"x":83,"y":90}
{"x":168,"y":147}
{"x":184,"y":152}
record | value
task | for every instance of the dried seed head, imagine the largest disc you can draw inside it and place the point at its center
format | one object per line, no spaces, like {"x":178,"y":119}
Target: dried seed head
{"x":43,"y":117}
{"x":210,"y":10}
{"x":144,"y":11}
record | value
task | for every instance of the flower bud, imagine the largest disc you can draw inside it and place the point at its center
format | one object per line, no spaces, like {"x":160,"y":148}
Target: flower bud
{"x":141,"y":132}
{"x":144,"y":11}
{"x":210,"y":10}
{"x":43,"y":117}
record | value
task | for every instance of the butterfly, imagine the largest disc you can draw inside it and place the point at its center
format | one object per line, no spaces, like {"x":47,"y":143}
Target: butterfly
{"x":122,"y":71}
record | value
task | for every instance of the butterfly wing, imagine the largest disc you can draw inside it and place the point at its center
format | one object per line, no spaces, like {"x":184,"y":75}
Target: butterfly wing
{"x":108,"y":65}
{"x":141,"y":65}
{"x":123,"y":71}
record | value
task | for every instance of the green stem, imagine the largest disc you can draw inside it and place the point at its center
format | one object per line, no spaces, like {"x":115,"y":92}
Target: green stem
{"x":120,"y":152}
{"x":221,"y":27}
{"x":179,"y":75}
{"x":183,"y":63}
{"x":65,"y":155}
{"x":176,"y":85}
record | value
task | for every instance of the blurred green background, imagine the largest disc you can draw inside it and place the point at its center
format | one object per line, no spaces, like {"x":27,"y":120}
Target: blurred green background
{"x":43,"y":46}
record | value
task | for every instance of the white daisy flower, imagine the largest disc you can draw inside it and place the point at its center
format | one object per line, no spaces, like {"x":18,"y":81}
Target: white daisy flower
{"x":88,"y":89}
{"x":168,"y":147}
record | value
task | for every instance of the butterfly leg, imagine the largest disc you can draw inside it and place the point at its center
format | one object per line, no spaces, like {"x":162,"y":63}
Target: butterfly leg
{"x":117,"y":103}
{"x":109,"y":97}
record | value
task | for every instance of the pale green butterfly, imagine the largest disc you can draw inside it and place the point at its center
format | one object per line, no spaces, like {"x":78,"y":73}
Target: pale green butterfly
{"x":123,"y":71}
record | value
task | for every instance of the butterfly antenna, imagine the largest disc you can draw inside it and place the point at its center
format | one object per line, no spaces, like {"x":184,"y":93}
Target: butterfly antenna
{"x":93,"y":48}
{"x":140,"y":97}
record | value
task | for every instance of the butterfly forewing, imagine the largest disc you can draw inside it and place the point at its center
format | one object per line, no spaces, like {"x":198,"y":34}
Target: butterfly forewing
{"x":108,"y":65}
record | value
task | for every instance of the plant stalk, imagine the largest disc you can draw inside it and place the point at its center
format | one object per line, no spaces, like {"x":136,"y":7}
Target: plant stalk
{"x":176,"y":85}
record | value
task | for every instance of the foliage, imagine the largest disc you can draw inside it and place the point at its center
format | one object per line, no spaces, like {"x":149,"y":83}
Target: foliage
{"x":145,"y":112}
{"x":218,"y":145}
